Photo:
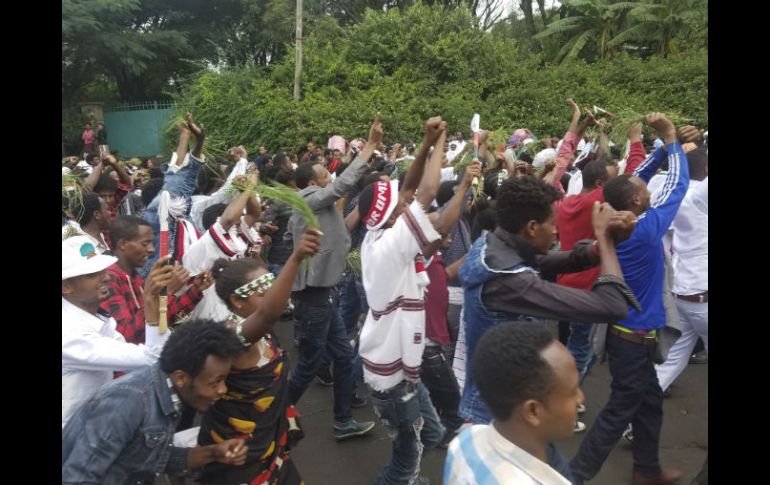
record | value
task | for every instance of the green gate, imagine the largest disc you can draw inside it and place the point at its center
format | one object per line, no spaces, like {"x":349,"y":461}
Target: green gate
{"x":136,"y":129}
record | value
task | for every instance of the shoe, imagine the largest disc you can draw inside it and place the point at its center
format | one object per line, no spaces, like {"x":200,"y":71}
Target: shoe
{"x":579,"y":427}
{"x":628,"y":434}
{"x":667,"y":476}
{"x":581,"y":408}
{"x":351,"y":428}
{"x":358,"y":402}
{"x":422,"y":480}
{"x":325,"y":378}
{"x":699,"y":358}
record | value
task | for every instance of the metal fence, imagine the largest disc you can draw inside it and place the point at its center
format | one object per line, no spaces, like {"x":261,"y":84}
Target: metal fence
{"x":136,"y":129}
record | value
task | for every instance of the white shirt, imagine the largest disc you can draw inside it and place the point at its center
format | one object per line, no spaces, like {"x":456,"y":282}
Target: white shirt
{"x":480,"y":455}
{"x":575,"y":185}
{"x":448,"y":174}
{"x":394,"y":277}
{"x":691,"y":241}
{"x":202,"y":202}
{"x":72,"y":228}
{"x":214,"y":244}
{"x":92,"y":349}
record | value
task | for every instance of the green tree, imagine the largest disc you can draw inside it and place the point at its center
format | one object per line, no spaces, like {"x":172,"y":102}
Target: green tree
{"x":664,"y":23}
{"x":591,"y":25}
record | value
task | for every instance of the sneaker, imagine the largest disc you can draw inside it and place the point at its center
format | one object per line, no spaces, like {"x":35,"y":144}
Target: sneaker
{"x":581,"y":408}
{"x":358,"y":402}
{"x":351,"y":428}
{"x":325,"y":377}
{"x":579,"y":427}
{"x":628,"y":434}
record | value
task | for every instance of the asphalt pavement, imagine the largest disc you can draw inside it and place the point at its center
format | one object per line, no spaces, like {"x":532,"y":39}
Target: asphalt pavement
{"x":323,"y":461}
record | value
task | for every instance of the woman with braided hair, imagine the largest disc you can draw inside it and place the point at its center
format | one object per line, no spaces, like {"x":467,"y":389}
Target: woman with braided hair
{"x":256,"y":407}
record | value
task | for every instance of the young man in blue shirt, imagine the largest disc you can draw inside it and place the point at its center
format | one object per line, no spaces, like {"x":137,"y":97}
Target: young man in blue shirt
{"x":636,"y":396}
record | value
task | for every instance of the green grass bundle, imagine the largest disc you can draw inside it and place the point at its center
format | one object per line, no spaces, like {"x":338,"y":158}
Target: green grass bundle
{"x":499,"y":137}
{"x":463,"y":159}
{"x":72,"y":192}
{"x":281,"y":193}
{"x":353,"y":261}
{"x":624,"y":118}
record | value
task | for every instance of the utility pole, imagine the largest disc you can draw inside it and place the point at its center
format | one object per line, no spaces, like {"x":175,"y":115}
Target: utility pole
{"x":298,"y":51}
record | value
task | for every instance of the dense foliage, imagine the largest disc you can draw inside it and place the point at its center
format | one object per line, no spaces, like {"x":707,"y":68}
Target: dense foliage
{"x":415,"y":63}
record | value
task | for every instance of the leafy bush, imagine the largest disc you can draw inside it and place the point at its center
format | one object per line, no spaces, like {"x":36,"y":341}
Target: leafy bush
{"x":420,"y":62}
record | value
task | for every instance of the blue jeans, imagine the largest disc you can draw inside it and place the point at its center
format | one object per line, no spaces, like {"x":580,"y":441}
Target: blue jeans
{"x":636,"y":398}
{"x":413,"y":425}
{"x":579,"y":344}
{"x":322,"y":332}
{"x":181,"y":183}
{"x":352,"y":301}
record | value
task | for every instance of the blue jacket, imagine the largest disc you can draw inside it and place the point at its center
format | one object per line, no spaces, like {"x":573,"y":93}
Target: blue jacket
{"x":641,"y":256}
{"x":124,"y":434}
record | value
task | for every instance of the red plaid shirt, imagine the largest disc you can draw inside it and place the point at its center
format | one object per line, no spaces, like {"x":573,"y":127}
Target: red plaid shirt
{"x":126,"y":303}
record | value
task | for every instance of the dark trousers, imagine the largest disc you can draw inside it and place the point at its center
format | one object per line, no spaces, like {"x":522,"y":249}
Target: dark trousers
{"x":442,"y":385}
{"x":635,"y":398}
{"x":322,"y":333}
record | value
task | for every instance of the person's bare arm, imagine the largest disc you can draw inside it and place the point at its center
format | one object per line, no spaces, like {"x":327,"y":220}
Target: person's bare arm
{"x":433,"y":128}
{"x":234,"y":211}
{"x":200,"y":134}
{"x":431,"y":179}
{"x":454,"y":269}
{"x":274,"y":302}
{"x":93,"y":178}
{"x":123,"y":176}
{"x":184,"y":142}
{"x":352,"y":220}
{"x":454,"y":209}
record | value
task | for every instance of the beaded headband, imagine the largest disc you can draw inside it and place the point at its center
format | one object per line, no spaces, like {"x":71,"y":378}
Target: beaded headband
{"x":259,"y":285}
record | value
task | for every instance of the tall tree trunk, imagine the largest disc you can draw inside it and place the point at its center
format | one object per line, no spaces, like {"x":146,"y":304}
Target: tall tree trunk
{"x":526,"y":7}
{"x":541,"y":7}
{"x":298,"y":50}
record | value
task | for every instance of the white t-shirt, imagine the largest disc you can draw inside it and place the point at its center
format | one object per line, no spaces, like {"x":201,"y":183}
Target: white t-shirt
{"x":691,"y":241}
{"x":394,"y":278}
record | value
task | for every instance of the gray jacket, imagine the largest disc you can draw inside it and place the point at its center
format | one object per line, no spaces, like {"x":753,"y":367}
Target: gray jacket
{"x":326,"y":267}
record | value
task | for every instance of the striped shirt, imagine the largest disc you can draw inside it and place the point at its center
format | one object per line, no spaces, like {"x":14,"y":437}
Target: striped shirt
{"x":481,"y":456}
{"x":394,"y":278}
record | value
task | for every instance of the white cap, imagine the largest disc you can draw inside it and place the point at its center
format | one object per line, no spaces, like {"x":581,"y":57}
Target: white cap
{"x":79,"y":257}
{"x":543,"y":156}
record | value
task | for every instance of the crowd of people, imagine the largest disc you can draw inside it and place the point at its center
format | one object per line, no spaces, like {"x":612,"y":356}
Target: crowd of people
{"x":420,"y":286}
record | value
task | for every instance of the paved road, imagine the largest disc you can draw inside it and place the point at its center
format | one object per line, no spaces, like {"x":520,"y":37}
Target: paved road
{"x":323,"y":461}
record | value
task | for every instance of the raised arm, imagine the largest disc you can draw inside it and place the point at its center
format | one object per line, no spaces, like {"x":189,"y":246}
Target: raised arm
{"x":431,"y":179}
{"x":200,"y":134}
{"x":636,"y":148}
{"x":346,"y":182}
{"x":274,"y":302}
{"x":123,"y":176}
{"x":184,"y":142}
{"x":234,"y":211}
{"x":449,"y":217}
{"x":433,"y":129}
{"x":93,"y":178}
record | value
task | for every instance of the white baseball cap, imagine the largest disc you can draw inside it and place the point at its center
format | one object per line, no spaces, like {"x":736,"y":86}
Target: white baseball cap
{"x":79,"y":257}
